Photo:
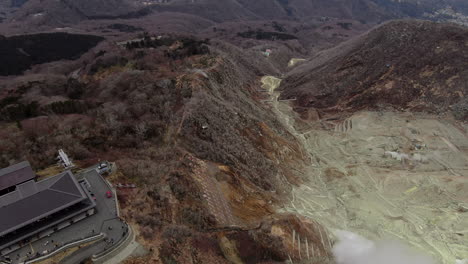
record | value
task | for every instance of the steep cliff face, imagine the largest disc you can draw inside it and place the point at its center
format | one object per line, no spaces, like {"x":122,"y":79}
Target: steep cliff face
{"x":411,"y":65}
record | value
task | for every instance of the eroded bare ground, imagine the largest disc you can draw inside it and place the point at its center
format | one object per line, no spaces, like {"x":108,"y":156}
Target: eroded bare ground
{"x":385,"y":175}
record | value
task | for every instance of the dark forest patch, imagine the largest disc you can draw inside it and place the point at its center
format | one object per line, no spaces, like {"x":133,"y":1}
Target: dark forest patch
{"x":186,"y":46}
{"x":124,"y":28}
{"x":134,"y":14}
{"x":345,"y":25}
{"x":12,"y":109}
{"x":266,"y":35}
{"x":19,"y":53}
{"x":278,"y":27}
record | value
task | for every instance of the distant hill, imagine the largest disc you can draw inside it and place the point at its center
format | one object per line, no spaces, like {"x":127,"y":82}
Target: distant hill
{"x":58,"y":13}
{"x":410,"y":64}
{"x":370,"y":11}
{"x":65,"y":12}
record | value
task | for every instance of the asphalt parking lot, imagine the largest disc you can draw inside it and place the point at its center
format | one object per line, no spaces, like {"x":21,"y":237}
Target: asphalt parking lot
{"x":105,"y":220}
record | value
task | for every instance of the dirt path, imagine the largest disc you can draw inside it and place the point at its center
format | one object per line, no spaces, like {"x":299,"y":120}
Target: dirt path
{"x":386,"y":175}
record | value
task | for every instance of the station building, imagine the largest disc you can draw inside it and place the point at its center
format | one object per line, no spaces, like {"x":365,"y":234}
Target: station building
{"x":31,"y":209}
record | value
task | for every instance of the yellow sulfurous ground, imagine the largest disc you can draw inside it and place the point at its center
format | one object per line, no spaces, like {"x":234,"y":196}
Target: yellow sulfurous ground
{"x":386,"y":175}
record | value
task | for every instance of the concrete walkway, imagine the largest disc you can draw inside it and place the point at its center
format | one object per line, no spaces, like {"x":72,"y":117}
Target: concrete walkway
{"x":84,"y":253}
{"x":127,"y":248}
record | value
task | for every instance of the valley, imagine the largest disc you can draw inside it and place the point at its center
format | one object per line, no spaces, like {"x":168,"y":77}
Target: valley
{"x":384,"y":175}
{"x":247,"y":131}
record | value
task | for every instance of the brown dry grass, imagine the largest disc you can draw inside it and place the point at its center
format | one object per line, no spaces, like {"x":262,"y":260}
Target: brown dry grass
{"x":333,"y":174}
{"x":49,"y":172}
{"x":275,"y":147}
{"x":247,"y":204}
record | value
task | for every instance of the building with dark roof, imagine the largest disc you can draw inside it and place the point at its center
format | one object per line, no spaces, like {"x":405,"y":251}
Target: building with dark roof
{"x":34,"y":207}
{"x":16,"y":174}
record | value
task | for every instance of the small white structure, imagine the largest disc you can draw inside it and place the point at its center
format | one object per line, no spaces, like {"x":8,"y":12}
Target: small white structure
{"x":402,"y":156}
{"x":397,"y":156}
{"x":104,"y":167}
{"x":64,"y":160}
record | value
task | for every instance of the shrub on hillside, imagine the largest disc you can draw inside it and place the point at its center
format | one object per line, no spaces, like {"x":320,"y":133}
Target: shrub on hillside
{"x":19,"y":111}
{"x":266,"y":35}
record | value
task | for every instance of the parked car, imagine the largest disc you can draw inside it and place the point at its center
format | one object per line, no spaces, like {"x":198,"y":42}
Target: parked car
{"x":103,"y":168}
{"x":109,"y":194}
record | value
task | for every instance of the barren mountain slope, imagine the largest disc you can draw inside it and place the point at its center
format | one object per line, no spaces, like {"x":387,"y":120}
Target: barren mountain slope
{"x":184,"y":122}
{"x":411,"y":65}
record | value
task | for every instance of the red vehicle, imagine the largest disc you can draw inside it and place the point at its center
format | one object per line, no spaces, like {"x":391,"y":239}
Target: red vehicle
{"x":109,"y":194}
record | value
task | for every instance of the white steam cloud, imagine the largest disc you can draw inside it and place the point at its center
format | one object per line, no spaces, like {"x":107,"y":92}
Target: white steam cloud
{"x":354,"y":249}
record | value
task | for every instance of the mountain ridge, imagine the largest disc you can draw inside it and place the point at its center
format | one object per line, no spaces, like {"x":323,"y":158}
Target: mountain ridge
{"x":63,"y":12}
{"x":405,"y":64}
